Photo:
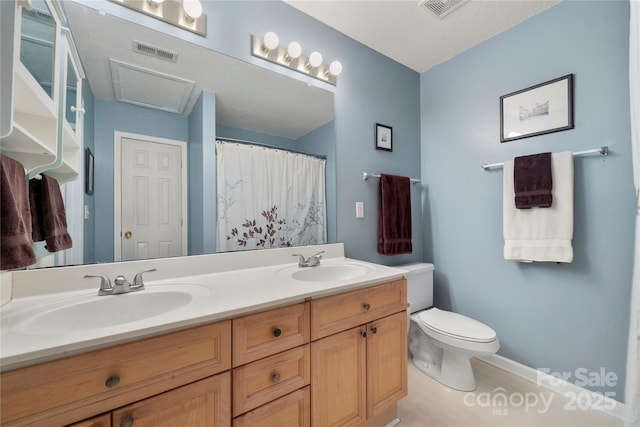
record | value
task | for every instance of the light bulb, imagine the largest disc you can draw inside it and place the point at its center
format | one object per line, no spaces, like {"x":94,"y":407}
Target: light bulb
{"x":270,"y":41}
{"x":294,"y":50}
{"x":315,"y":59}
{"x":335,"y":68}
{"x":192,"y":9}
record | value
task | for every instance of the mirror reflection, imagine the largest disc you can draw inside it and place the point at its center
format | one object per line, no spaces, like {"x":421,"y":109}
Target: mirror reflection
{"x":146,"y":87}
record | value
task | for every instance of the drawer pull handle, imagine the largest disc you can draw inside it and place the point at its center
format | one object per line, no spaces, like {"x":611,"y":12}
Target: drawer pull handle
{"x":276,"y":378}
{"x":374,"y":329}
{"x":277,"y":332}
{"x":126,"y":421}
{"x":112,"y":381}
{"x":366,"y":306}
{"x":364,"y":334}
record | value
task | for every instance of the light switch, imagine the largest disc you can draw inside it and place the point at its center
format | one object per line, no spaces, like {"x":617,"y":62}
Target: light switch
{"x":359,"y":209}
{"x":86,"y":212}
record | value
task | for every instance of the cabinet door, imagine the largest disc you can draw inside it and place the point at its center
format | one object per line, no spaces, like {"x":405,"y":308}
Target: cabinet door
{"x":338,"y":379}
{"x":386,"y":362}
{"x":205,"y":403}
{"x":291,"y":410}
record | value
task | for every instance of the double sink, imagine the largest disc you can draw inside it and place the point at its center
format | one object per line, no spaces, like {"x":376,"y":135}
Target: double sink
{"x":84,"y":310}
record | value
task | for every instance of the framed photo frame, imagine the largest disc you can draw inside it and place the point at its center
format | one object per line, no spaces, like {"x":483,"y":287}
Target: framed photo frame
{"x":88,"y":171}
{"x":384,"y":137}
{"x":537,"y":110}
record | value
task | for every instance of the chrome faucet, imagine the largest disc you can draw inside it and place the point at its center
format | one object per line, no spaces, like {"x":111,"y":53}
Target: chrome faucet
{"x":312,"y":261}
{"x":120,"y":284}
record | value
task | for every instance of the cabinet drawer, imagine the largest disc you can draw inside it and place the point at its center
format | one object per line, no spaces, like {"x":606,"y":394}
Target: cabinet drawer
{"x":70,"y":389}
{"x":292,"y":410}
{"x":267,"y":379}
{"x":204,"y":403}
{"x":270,"y":332}
{"x":340,"y":312}
{"x":99,"y":421}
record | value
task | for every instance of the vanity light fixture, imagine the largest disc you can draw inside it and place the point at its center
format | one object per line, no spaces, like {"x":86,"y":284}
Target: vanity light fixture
{"x":268,"y":47}
{"x":186,"y":14}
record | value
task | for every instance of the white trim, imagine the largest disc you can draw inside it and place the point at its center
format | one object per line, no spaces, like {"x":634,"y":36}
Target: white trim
{"x":117,"y":187}
{"x":556,"y":385}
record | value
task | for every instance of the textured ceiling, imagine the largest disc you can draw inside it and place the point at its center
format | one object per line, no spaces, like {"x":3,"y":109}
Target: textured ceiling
{"x":413,"y":36}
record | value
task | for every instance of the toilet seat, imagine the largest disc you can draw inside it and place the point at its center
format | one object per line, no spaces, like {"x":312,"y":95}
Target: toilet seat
{"x":456,"y":326}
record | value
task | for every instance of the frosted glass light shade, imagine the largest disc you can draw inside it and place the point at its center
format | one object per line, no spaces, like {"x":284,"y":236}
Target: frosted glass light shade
{"x":294,"y":50}
{"x":192,"y":8}
{"x":335,"y":68}
{"x":315,"y":59}
{"x":270,"y":40}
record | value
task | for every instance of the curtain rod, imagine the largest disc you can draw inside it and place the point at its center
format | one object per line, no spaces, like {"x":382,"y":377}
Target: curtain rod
{"x":367,"y":175}
{"x":261,"y":144}
{"x":602,"y":150}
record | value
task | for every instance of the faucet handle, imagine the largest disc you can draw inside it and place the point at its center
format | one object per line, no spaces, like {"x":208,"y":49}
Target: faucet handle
{"x":318,"y":255}
{"x":105,"y":284}
{"x":302,"y":258}
{"x":137,"y":280}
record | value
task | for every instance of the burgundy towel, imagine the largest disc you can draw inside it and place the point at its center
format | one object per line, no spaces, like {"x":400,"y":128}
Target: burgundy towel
{"x":394,"y":215}
{"x":49,"y":219}
{"x":16,"y":247}
{"x":532,"y":182}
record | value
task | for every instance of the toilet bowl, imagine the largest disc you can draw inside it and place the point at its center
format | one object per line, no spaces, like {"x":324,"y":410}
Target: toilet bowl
{"x":441,"y":342}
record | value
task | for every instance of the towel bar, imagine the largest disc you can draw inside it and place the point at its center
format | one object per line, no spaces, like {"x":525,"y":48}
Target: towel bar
{"x":602,"y":150}
{"x":367,"y":175}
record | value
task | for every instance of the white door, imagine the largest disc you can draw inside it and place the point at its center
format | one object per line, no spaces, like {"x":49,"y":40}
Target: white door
{"x":151,"y":199}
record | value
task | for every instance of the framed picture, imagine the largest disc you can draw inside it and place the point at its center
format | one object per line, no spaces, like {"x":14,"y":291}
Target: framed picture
{"x":88,"y":171}
{"x":384,"y":136}
{"x":536,"y":110}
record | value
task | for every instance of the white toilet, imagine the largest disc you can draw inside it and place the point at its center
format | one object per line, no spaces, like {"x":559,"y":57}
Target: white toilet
{"x":442,"y":343}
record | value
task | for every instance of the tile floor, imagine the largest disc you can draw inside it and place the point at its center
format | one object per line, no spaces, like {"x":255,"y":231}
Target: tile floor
{"x":431,"y":404}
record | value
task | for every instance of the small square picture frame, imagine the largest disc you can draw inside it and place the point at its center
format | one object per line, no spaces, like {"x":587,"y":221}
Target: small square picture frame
{"x":384,"y":137}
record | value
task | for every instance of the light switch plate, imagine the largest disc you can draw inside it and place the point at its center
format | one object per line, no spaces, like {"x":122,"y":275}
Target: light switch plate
{"x":359,"y":209}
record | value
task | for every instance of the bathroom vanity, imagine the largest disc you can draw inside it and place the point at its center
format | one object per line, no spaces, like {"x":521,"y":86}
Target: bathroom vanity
{"x":264,"y":348}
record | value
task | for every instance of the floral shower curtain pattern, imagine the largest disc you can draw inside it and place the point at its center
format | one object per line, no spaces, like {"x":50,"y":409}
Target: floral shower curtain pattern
{"x":268,"y":198}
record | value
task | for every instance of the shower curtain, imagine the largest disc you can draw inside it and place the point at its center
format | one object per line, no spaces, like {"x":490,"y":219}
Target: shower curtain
{"x":632,"y":388}
{"x":268,"y":198}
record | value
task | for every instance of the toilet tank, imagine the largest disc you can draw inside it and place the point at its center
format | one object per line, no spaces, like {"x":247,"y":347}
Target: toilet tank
{"x":419,"y":285}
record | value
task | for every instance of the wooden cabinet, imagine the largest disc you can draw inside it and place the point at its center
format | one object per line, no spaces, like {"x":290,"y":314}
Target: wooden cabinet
{"x":77,"y":387}
{"x":262,"y":369}
{"x":288,"y":411}
{"x":272,"y":357}
{"x":204,"y":403}
{"x":358,"y":373}
{"x":103,"y":420}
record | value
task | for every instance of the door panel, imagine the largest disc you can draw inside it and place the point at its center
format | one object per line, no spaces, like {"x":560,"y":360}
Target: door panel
{"x":151,"y":205}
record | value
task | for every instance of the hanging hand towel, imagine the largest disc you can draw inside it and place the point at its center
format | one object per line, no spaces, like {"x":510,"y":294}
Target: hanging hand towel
{"x":540,"y":234}
{"x":48,"y":214}
{"x":394,"y":215}
{"x":533,"y":183}
{"x":16,"y":247}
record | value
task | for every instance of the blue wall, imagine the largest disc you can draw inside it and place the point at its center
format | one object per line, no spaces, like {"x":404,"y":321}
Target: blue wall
{"x":118,"y":116}
{"x":89,"y":232}
{"x":560,"y":317}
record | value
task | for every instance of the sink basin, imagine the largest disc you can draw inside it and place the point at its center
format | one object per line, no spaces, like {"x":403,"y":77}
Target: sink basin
{"x":88,"y":312}
{"x":328,"y":273}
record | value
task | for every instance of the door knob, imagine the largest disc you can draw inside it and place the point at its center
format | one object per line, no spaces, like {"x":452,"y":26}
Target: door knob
{"x":128,"y":234}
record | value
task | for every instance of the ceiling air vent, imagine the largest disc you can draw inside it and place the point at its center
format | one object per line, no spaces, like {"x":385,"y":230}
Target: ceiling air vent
{"x":441,"y":8}
{"x":156,"y":52}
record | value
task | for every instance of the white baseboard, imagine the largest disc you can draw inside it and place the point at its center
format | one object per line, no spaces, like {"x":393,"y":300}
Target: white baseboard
{"x":595,"y":400}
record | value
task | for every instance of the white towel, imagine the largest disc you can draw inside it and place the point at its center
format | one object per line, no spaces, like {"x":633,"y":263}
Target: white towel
{"x":540,"y":234}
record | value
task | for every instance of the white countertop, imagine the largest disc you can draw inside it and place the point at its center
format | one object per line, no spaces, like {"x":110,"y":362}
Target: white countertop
{"x":219,"y":295}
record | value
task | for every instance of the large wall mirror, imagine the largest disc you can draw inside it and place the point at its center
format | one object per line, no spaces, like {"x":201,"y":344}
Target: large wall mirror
{"x":147,"y":82}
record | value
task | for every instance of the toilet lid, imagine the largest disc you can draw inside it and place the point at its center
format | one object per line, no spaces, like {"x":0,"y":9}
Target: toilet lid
{"x":456,"y":325}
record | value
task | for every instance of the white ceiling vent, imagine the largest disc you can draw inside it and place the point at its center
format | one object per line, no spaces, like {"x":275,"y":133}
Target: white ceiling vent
{"x":156,"y":52}
{"x":441,"y":8}
{"x":149,"y":88}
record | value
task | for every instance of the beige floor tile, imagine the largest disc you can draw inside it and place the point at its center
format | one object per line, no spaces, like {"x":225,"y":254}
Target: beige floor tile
{"x":501,"y":399}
